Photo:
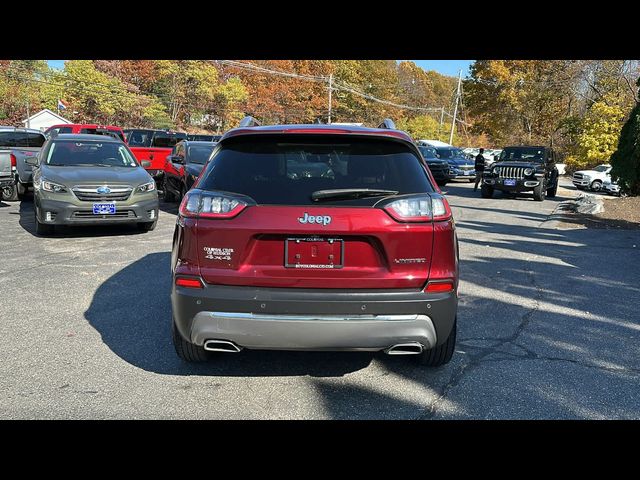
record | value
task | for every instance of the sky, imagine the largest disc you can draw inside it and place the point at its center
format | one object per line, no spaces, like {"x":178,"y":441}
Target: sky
{"x":445,"y":67}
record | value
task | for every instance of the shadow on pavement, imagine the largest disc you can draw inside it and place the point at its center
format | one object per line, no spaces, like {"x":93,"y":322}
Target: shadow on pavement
{"x":132,"y":312}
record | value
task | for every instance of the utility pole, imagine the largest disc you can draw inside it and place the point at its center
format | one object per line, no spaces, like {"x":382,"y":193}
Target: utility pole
{"x":455,"y":109}
{"x":330,"y":92}
{"x":28,"y":114}
{"x":441,"y":121}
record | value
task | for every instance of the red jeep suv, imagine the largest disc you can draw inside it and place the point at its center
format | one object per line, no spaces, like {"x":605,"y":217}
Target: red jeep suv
{"x":315,"y":237}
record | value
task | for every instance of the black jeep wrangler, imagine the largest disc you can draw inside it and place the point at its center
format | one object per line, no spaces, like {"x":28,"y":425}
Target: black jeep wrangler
{"x":523,"y":169}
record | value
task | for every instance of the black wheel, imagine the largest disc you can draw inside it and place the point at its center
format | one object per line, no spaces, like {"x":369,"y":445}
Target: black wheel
{"x":441,"y":354}
{"x":187,"y":351}
{"x":596,"y":185}
{"x":539,"y":192}
{"x":147,"y":226}
{"x":22,"y":190}
{"x":10,"y":193}
{"x":486,"y":191}
{"x":42,"y":229}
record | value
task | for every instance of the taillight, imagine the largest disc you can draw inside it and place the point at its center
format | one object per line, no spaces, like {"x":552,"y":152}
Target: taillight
{"x":439,"y":287}
{"x":14,"y":162}
{"x":421,"y":208}
{"x":210,"y":205}
{"x":441,"y":208}
{"x":189,"y":282}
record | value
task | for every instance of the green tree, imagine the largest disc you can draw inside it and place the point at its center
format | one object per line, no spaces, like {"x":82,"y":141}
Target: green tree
{"x":626,"y":159}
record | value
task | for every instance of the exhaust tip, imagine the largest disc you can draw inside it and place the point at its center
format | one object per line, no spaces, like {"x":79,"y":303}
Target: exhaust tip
{"x":221,"y":346}
{"x":410,"y":348}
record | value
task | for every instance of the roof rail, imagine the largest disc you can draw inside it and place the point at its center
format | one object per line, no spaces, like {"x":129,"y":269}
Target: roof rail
{"x":387,"y":123}
{"x":249,"y":121}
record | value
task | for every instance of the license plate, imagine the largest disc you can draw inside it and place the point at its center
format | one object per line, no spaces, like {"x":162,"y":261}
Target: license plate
{"x":313,"y":252}
{"x":510,"y":182}
{"x":104,"y":208}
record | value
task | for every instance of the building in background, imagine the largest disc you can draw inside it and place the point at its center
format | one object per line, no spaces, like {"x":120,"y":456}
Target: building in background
{"x":43,"y":120}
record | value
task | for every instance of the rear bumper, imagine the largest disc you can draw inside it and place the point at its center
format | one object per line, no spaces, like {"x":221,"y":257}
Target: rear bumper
{"x":64,"y":213}
{"x":312,"y":319}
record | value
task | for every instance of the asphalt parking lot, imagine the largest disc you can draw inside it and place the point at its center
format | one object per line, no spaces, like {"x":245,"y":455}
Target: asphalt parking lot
{"x":548,"y":329}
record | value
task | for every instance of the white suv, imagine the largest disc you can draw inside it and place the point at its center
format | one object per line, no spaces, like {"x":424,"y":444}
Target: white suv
{"x":592,"y":179}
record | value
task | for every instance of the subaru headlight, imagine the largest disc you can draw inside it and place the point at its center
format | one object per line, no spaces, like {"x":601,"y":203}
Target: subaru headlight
{"x":528,"y":171}
{"x":52,"y":187}
{"x":147,"y":187}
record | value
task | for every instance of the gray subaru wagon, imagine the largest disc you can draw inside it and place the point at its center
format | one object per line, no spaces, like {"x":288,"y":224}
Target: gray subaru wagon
{"x":91,"y":180}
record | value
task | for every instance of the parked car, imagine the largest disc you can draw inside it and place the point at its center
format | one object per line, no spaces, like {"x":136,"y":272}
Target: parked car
{"x":153,"y":146}
{"x":460,"y":167}
{"x":439,"y":167}
{"x":522,"y":169}
{"x":362,"y":255}
{"x":88,"y":128}
{"x":183,"y":167}
{"x":90,"y":180}
{"x":203,"y":138}
{"x":16,"y":145}
{"x":592,"y":179}
{"x":611,"y":187}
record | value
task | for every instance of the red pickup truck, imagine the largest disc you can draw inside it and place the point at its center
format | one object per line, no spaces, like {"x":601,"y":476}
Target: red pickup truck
{"x":90,"y":128}
{"x":153,"y":146}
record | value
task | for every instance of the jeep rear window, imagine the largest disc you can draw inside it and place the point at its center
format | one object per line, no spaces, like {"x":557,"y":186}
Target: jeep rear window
{"x":278,"y":170}
{"x":21,"y":139}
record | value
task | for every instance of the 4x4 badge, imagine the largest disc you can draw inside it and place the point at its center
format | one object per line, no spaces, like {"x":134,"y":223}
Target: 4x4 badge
{"x":319,"y":219}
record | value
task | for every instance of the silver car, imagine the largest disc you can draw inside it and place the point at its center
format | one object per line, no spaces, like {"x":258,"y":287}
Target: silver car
{"x":91,"y":179}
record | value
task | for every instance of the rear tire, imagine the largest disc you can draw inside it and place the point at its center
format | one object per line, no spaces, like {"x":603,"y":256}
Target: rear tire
{"x":441,"y":354}
{"x":486,"y":191}
{"x":10,"y":193}
{"x":187,"y":351}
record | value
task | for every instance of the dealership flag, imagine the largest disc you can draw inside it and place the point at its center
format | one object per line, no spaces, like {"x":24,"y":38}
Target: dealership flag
{"x":61,"y":106}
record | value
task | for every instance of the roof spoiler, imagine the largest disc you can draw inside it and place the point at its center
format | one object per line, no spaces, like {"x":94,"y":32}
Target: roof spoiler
{"x":249,"y":121}
{"x":388,"y":124}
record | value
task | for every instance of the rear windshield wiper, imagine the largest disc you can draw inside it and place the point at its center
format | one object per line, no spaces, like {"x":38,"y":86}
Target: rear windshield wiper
{"x":350,"y":193}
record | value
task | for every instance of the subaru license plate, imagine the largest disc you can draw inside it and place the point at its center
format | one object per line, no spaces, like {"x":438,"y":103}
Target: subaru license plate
{"x":510,"y":182}
{"x":104,"y":208}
